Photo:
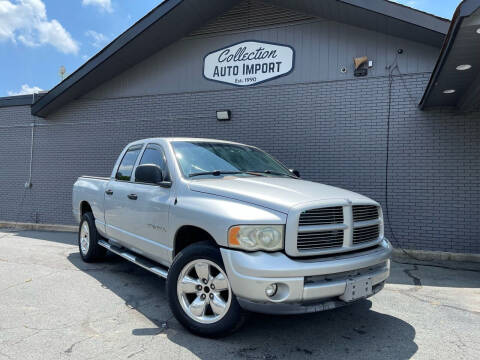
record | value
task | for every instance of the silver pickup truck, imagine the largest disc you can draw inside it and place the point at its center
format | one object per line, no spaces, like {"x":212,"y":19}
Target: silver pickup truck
{"x":232,"y":229}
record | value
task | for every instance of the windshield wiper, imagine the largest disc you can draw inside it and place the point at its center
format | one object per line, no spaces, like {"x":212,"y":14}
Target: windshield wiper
{"x":253,"y":173}
{"x":270,"y":172}
{"x":215,"y":173}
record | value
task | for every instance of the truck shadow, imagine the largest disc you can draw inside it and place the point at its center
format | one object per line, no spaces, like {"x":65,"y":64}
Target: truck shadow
{"x":354,"y":332}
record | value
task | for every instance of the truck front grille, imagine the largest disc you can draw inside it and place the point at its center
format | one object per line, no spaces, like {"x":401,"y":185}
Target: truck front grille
{"x":337,"y":229}
{"x":364,"y":212}
{"x":320,"y":240}
{"x":322,"y":216}
{"x":365,"y":234}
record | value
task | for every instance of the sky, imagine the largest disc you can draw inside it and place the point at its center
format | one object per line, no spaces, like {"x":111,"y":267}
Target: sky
{"x":38,"y":37}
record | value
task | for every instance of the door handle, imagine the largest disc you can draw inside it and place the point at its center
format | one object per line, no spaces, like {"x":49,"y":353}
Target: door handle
{"x":132,"y":196}
{"x":109,"y":192}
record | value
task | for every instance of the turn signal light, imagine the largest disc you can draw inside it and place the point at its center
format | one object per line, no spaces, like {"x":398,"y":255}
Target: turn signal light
{"x":233,"y":236}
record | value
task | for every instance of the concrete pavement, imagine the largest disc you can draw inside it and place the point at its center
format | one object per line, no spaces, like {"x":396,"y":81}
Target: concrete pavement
{"x":54,"y":306}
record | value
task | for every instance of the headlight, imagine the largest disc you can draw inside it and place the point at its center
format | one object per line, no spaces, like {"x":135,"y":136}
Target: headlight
{"x":256,"y":237}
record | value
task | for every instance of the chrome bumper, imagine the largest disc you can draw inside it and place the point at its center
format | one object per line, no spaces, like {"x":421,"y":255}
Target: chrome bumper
{"x":303,"y":285}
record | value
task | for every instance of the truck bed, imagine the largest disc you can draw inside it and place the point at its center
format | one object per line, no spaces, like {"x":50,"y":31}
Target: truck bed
{"x":92,"y":190}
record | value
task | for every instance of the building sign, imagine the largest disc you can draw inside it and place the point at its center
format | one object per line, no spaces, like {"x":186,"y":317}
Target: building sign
{"x":249,"y":63}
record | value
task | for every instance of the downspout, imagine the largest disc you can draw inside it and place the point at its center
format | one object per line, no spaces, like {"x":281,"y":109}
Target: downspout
{"x":28,"y":184}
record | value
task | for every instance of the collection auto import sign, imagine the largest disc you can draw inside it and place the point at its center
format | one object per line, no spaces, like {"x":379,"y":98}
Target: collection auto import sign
{"x":249,"y":63}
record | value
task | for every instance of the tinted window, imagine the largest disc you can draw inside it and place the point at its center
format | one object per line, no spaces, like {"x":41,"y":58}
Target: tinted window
{"x":125,"y":169}
{"x":154,"y":154}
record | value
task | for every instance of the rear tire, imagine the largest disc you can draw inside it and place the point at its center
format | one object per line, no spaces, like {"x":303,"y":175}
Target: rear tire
{"x":88,"y":238}
{"x":200,"y":294}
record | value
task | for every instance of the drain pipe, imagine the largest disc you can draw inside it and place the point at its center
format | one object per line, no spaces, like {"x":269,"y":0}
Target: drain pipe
{"x":28,"y":184}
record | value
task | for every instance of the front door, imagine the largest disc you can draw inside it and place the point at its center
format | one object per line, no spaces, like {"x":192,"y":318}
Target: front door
{"x":136,"y":213}
{"x":150,"y":207}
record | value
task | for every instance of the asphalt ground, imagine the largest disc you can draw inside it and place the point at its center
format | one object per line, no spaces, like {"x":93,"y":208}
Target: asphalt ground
{"x":54,"y":306}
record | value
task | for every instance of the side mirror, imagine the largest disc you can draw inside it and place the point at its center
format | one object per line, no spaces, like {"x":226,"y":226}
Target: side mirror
{"x":295,"y":172}
{"x":149,"y":174}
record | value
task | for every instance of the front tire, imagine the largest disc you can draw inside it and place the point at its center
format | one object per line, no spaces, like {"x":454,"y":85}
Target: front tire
{"x":88,"y":238}
{"x":200,"y":294}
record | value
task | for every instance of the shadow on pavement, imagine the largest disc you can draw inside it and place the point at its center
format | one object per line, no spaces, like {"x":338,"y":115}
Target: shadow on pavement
{"x":435,"y":274}
{"x":353,"y":332}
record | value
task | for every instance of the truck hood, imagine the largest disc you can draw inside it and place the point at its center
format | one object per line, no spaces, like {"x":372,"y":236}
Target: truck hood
{"x":279,"y":194}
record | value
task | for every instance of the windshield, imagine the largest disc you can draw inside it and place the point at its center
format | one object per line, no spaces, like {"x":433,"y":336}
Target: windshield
{"x":215,"y":159}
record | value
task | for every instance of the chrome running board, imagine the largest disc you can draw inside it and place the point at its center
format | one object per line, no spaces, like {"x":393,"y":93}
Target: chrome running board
{"x":136,"y":259}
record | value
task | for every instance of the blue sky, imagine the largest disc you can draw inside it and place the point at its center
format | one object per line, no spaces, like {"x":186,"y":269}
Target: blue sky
{"x":37,"y":37}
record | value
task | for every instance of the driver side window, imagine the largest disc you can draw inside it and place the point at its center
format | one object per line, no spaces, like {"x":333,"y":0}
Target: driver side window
{"x":154,"y":154}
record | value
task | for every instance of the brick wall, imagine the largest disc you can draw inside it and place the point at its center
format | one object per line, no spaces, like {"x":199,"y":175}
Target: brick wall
{"x":333,"y":132}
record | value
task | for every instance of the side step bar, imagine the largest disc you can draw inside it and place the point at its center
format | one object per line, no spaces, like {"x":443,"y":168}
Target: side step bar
{"x":136,"y":259}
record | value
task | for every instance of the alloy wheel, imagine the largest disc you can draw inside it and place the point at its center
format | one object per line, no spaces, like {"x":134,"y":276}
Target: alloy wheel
{"x":84,"y":238}
{"x":204,"y":291}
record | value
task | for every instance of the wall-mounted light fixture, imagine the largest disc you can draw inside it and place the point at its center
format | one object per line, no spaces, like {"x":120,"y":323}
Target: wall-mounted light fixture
{"x":224,"y":115}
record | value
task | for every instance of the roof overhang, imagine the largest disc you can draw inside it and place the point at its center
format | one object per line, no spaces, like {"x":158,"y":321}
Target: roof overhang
{"x":174,"y":19}
{"x":168,"y":22}
{"x":378,"y":15}
{"x":461,"y":47}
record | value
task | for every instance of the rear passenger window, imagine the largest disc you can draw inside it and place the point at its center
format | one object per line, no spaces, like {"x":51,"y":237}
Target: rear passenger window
{"x":154,"y":154}
{"x":125,"y":169}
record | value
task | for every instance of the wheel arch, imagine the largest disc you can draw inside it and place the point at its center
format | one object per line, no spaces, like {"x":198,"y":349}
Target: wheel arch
{"x":190,"y":234}
{"x":85,"y":207}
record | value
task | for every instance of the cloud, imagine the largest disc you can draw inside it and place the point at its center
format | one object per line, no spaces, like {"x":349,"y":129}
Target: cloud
{"x":103,"y":5}
{"x":26,"y":21}
{"x":25,"y":90}
{"x":98,"y":39}
{"x":410,"y":3}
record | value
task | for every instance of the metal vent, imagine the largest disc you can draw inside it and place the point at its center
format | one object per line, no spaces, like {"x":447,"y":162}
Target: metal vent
{"x":250,"y":14}
{"x":320,"y":240}
{"x":322,"y":216}
{"x":365,"y":212}
{"x":365,"y":234}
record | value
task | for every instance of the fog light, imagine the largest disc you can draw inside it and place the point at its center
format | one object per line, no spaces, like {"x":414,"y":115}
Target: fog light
{"x":271,"y":290}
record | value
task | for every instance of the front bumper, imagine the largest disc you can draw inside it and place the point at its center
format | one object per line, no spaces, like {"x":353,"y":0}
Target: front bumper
{"x":303,"y":285}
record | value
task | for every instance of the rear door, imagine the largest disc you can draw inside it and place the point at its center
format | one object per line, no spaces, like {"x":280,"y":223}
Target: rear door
{"x":117,"y":214}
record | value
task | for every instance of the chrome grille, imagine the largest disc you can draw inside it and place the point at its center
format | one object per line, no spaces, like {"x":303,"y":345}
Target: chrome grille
{"x":319,"y":239}
{"x":365,"y":212}
{"x":366,"y":234}
{"x":322,"y":216}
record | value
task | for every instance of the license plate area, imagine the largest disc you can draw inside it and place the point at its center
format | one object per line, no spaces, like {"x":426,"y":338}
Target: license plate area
{"x":357,"y":288}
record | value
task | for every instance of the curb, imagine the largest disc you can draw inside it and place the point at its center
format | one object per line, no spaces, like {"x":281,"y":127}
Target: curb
{"x":37,"y":227}
{"x":424,"y":255}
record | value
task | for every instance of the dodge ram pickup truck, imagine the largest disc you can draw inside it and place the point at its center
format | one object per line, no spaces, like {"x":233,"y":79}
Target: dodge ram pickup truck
{"x":232,"y":229}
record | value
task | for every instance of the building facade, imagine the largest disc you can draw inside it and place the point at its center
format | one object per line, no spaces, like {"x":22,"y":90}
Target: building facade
{"x":364,"y":133}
